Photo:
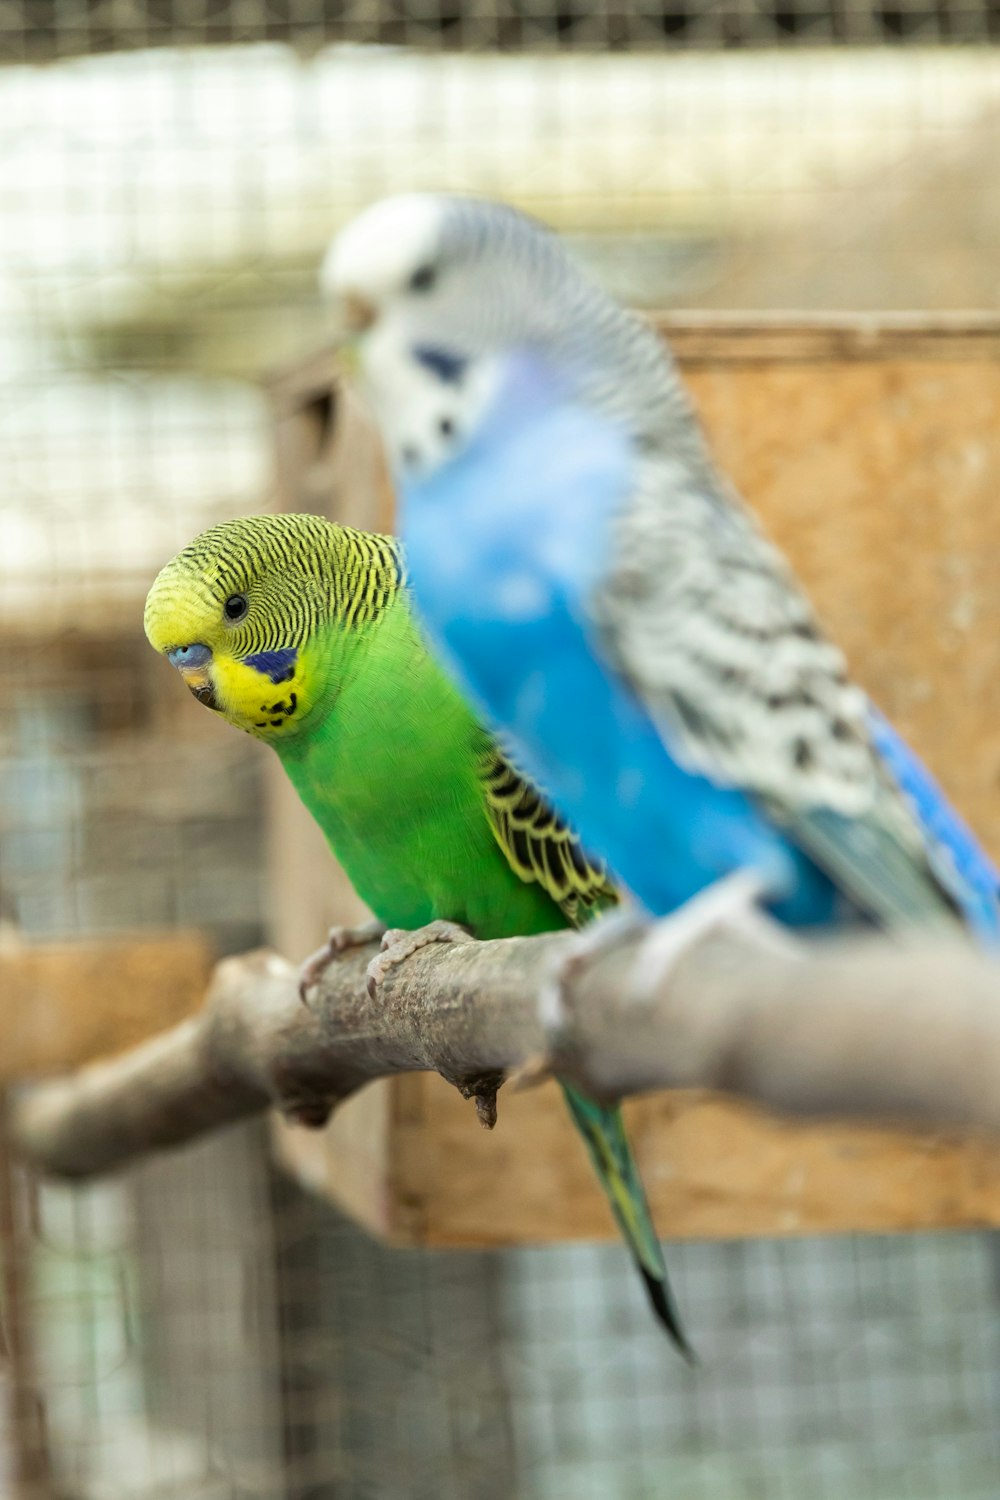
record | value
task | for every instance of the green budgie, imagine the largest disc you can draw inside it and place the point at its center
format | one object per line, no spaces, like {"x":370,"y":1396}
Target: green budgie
{"x":300,"y":632}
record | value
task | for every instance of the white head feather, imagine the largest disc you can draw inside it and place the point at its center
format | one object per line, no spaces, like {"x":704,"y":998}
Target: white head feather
{"x":375,"y":256}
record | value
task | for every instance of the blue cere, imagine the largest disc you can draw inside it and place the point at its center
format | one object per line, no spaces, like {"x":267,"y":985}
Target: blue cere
{"x":188,"y":657}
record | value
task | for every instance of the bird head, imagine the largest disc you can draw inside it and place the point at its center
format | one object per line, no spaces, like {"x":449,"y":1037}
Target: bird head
{"x":241,"y":613}
{"x":442,"y":300}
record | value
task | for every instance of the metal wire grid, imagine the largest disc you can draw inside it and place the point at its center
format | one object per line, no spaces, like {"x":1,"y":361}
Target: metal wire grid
{"x":39,"y":30}
{"x":111,"y":819}
{"x":156,"y":1334}
{"x":211,"y":1335}
{"x":207,"y":1332}
{"x":162,"y":217}
{"x":820,"y":1375}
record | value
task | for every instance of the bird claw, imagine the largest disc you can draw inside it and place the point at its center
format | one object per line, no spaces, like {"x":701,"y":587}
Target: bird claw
{"x":398,"y":945}
{"x":732,"y":904}
{"x":599,"y":937}
{"x":339,"y":940}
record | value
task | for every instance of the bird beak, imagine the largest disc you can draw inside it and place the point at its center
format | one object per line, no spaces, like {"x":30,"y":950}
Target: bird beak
{"x":198,"y":682}
{"x":358,"y":313}
{"x":354,"y":316}
{"x":193,"y":663}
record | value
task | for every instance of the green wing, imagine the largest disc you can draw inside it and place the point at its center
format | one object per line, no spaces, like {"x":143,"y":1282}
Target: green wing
{"x":541,"y":847}
{"x":538,"y":844}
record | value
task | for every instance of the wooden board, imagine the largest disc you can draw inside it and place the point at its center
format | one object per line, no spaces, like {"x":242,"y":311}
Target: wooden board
{"x":66,"y":1003}
{"x":872,"y":452}
{"x":712,"y":1169}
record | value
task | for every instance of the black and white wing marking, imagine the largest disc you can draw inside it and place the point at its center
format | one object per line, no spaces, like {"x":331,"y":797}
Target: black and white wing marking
{"x":704,"y":619}
{"x":538,"y":844}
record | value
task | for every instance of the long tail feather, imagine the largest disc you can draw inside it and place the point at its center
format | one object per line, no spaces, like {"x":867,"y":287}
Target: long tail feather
{"x":603,"y":1130}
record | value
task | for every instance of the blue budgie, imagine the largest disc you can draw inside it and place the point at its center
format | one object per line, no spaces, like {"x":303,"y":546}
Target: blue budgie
{"x":608,"y":601}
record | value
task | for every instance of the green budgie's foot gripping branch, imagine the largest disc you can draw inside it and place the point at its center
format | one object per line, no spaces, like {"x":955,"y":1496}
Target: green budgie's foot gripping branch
{"x":338,"y":941}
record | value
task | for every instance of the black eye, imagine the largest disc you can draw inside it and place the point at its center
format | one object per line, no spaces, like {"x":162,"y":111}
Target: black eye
{"x":236,"y":606}
{"x":423,"y":279}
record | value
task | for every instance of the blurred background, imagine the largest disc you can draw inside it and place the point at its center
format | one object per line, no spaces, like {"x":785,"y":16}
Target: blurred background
{"x":170,"y":172}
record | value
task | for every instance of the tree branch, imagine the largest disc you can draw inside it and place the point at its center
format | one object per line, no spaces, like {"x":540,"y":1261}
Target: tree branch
{"x":861,"y":1029}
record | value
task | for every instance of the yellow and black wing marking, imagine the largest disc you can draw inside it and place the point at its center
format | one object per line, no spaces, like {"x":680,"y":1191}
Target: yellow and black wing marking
{"x":539,"y":845}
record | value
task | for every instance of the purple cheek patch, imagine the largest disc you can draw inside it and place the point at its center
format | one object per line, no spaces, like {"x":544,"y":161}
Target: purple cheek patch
{"x":279,"y":665}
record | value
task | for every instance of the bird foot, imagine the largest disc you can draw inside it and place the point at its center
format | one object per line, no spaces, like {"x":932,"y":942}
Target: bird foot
{"x":340,"y":939}
{"x":730,"y":905}
{"x":398,"y":945}
{"x":600,"y":937}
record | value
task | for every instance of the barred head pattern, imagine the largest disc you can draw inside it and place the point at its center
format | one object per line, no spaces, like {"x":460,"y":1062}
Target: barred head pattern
{"x":297,"y":573}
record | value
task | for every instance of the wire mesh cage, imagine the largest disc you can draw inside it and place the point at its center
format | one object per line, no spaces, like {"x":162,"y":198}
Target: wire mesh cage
{"x":204,"y":1326}
{"x":213,"y":1333}
{"x":38,"y":30}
